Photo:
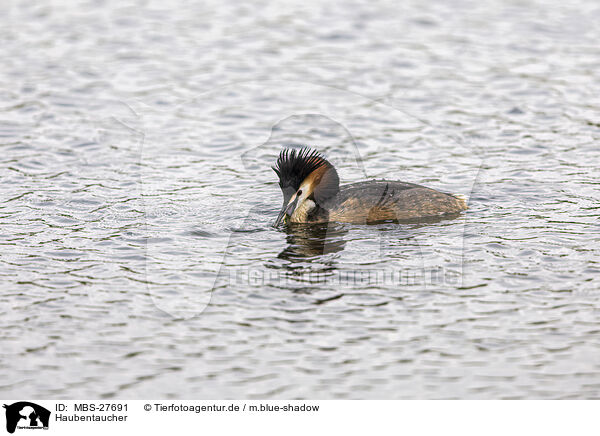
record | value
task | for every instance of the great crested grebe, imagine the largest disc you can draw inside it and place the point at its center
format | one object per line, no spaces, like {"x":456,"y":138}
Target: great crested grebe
{"x":312,"y":194}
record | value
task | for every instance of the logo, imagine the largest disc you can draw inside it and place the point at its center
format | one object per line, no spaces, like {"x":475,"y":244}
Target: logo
{"x":26,"y":415}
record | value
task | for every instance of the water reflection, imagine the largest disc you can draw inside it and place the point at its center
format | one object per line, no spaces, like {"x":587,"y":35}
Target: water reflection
{"x":307,"y":241}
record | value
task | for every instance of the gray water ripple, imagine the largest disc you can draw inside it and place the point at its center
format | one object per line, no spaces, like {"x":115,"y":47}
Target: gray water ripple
{"x":137,"y":142}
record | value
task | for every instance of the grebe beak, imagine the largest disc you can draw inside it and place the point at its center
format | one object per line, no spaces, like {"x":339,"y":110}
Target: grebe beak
{"x":287,"y":209}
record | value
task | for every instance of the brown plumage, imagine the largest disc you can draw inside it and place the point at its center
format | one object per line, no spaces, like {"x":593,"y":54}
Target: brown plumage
{"x":311,"y":193}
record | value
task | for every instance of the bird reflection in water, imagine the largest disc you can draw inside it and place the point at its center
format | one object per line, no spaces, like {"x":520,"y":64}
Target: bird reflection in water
{"x":312,"y":240}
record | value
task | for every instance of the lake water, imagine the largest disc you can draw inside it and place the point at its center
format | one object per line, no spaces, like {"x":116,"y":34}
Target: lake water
{"x":137,"y":256}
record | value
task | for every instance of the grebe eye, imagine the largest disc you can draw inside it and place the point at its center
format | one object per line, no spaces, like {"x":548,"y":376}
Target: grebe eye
{"x":299,"y":192}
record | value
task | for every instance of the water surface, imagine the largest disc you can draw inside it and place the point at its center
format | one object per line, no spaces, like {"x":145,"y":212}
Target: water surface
{"x":137,"y":256}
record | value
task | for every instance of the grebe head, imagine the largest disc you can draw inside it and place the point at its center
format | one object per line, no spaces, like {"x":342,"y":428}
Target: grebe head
{"x":307,"y":180}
